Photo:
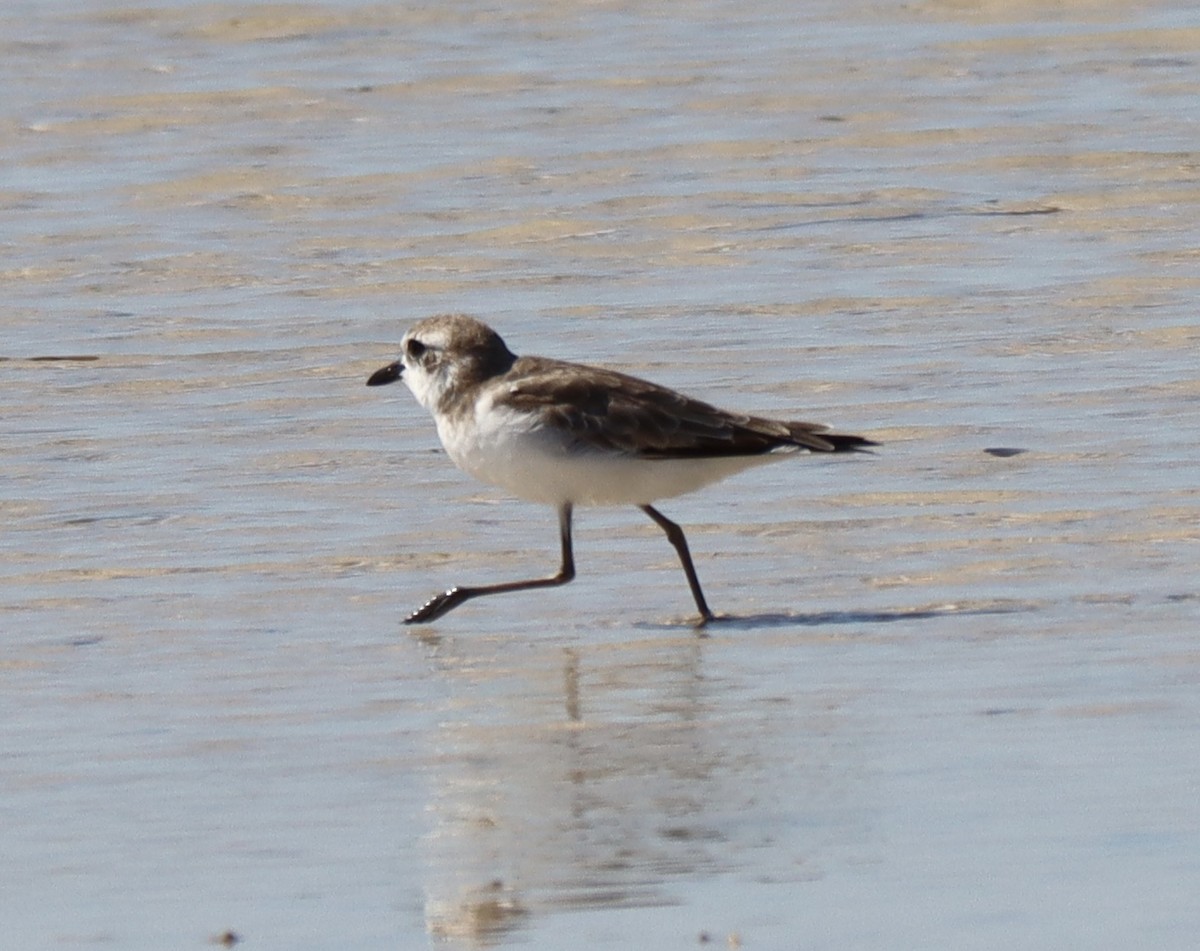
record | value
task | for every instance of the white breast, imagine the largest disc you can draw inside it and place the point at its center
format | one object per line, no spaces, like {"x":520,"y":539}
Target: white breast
{"x":517,"y":452}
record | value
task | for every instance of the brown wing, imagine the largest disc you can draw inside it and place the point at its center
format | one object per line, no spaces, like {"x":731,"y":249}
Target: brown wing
{"x":611,"y":411}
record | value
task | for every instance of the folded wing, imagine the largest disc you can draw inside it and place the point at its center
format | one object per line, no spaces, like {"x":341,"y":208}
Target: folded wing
{"x":606,"y":410}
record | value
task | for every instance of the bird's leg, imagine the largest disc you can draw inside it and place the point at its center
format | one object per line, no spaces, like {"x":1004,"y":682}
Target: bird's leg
{"x":675,"y":537}
{"x":447,"y":601}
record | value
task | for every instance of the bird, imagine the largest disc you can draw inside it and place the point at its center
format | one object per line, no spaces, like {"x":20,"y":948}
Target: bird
{"x":569,"y":434}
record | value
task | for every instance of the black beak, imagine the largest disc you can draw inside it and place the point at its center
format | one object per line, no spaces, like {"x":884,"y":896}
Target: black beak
{"x":388,"y":374}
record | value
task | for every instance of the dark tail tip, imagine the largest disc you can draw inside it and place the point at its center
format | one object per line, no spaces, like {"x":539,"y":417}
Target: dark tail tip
{"x":843,"y":443}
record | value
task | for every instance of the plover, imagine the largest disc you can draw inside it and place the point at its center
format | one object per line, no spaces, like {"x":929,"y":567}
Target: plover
{"x":566,"y":434}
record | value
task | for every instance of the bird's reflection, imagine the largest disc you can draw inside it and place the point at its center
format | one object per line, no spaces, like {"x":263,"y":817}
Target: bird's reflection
{"x":592,"y":777}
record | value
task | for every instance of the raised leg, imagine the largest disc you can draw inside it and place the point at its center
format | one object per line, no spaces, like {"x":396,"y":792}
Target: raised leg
{"x":447,"y":601}
{"x":675,"y":537}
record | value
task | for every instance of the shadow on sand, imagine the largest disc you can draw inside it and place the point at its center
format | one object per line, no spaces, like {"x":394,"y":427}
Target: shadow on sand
{"x":769,"y":619}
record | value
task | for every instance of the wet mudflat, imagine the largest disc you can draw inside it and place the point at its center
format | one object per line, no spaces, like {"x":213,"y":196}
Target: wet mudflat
{"x":954,"y":699}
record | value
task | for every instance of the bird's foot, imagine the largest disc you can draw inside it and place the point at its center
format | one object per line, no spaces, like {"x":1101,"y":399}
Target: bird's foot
{"x":438,"y":605}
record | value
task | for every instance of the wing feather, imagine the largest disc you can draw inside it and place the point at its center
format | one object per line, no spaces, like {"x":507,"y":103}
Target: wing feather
{"x":610,"y":411}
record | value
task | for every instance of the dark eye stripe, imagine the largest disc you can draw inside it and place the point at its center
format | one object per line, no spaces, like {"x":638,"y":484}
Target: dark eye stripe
{"x":415,"y":348}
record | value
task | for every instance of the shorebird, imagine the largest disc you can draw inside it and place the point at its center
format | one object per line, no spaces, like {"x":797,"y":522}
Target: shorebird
{"x":567,"y":434}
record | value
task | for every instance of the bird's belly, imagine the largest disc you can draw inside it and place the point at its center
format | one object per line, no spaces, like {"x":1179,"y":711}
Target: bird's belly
{"x":534,"y":464}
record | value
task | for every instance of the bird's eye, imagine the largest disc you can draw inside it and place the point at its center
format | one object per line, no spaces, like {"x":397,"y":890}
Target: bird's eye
{"x":415,"y":348}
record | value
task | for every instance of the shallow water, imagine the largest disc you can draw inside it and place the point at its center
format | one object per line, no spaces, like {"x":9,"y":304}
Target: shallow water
{"x":954,"y":702}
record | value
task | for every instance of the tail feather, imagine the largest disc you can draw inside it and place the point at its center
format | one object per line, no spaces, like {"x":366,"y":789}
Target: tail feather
{"x":843,"y":443}
{"x":813,"y":437}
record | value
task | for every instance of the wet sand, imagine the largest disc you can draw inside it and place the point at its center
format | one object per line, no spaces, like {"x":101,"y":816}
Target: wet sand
{"x":954,"y":699}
